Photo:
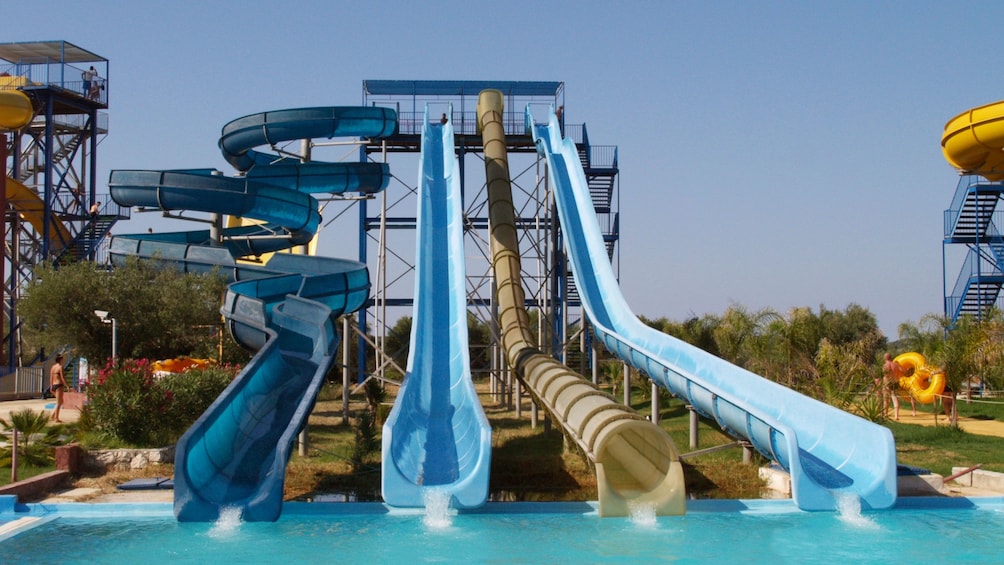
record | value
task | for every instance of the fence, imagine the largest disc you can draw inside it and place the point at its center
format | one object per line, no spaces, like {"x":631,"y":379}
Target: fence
{"x":23,"y":383}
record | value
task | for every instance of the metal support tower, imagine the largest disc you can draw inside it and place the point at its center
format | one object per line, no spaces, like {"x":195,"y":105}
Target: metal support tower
{"x":387,"y":223}
{"x":54,"y":212}
{"x":971,"y":223}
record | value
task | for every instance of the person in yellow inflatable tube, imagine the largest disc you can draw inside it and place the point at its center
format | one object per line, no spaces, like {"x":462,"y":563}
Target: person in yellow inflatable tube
{"x":892,"y":372}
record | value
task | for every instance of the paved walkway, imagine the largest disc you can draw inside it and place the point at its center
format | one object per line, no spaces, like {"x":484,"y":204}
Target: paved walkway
{"x":968,"y":425}
{"x":47,"y":404}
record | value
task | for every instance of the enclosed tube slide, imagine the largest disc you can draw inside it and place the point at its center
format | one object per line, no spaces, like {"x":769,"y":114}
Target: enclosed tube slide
{"x":636,"y":462}
{"x":973,"y":141}
{"x":437,"y":435}
{"x":236,"y":452}
{"x":827,"y":451}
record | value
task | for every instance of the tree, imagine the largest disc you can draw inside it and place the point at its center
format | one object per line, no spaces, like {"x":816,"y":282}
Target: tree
{"x":159,"y":312}
{"x":741,"y":334}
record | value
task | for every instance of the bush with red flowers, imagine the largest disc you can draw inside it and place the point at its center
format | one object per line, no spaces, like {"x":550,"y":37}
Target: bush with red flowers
{"x":132,"y":404}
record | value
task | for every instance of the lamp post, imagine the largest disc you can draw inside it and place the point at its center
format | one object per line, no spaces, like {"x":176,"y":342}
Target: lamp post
{"x":106,"y":318}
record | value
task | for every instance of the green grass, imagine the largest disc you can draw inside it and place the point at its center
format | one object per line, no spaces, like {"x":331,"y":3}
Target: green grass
{"x":23,"y":472}
{"x":940,"y":448}
{"x":531,"y":464}
{"x":982,"y":408}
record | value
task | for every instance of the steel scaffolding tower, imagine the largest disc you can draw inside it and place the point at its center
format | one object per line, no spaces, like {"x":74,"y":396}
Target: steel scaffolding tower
{"x":54,"y":211}
{"x":973,"y":221}
{"x":387,"y":223}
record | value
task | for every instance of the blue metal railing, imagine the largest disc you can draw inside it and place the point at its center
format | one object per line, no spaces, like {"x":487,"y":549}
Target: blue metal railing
{"x":967,"y":184}
{"x":603,"y":157}
{"x":974,"y":268}
{"x":53,"y":74}
{"x":464,"y":123}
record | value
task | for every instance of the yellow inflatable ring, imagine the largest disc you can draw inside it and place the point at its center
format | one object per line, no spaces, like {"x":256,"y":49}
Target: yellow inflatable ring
{"x":911,"y":360}
{"x":928,"y":384}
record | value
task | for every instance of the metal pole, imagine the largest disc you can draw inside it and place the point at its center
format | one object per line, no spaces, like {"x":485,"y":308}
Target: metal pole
{"x":115,"y":341}
{"x":345,"y":370}
{"x":627,"y":385}
{"x":655,"y":403}
{"x":13,"y":460}
{"x":3,"y":231}
{"x":694,"y":421}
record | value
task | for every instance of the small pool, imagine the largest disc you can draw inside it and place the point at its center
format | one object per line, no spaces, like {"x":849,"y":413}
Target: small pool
{"x":947,"y":530}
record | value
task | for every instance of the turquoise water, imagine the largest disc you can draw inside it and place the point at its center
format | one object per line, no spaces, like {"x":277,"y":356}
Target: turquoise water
{"x":930,"y":530}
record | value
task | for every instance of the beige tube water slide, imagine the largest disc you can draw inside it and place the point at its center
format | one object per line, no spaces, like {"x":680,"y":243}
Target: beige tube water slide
{"x":636,"y":462}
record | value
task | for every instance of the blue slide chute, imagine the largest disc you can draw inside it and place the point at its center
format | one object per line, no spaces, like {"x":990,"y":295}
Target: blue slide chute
{"x":437,"y":435}
{"x":827,"y":451}
{"x":235,"y":454}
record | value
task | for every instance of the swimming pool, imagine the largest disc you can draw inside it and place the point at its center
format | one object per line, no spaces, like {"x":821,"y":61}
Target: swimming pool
{"x":955,"y":530}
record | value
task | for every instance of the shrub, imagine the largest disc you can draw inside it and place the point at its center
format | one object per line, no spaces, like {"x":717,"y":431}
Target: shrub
{"x":191,"y":392}
{"x":130,"y":403}
{"x":36,"y":437}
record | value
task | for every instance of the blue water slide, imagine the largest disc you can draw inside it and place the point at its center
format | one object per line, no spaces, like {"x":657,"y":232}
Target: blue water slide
{"x":235,"y":454}
{"x":826,"y":451}
{"x":437,"y":435}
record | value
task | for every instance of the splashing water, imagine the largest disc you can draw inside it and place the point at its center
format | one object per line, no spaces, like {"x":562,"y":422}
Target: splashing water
{"x":642,"y":513}
{"x":228,"y":523}
{"x":437,"y":508}
{"x":849,"y":510}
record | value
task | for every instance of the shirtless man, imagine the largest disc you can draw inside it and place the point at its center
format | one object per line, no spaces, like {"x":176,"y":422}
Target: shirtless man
{"x":57,"y":384}
{"x":891,"y":373}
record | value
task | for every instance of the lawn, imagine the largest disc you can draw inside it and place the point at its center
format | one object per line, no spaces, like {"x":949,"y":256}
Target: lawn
{"x":533,"y":464}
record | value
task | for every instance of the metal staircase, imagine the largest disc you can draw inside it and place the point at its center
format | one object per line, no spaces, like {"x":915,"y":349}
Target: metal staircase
{"x":87,"y":243}
{"x":599,"y":163}
{"x":972,"y":220}
{"x":64,"y":154}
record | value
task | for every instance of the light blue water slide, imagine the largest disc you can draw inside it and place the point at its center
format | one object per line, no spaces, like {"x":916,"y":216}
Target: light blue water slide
{"x":236,"y":452}
{"x":826,"y":451}
{"x":437,"y":436}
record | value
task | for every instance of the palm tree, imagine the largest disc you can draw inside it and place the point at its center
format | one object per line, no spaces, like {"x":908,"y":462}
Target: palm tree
{"x":36,"y":437}
{"x":740,"y":334}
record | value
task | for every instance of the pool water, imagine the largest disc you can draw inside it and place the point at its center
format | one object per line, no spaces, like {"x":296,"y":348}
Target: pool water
{"x":924,"y":530}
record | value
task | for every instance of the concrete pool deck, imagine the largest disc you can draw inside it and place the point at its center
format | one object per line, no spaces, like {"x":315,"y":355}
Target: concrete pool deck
{"x":69,"y":413}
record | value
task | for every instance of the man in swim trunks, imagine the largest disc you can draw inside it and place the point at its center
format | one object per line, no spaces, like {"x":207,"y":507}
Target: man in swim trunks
{"x":57,"y":384}
{"x":891,"y":373}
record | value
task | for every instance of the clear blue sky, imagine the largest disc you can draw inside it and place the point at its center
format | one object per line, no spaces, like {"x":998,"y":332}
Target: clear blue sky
{"x":773,"y":154}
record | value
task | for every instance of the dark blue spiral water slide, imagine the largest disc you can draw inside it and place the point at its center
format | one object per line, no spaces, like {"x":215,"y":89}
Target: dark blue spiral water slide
{"x":285,"y":307}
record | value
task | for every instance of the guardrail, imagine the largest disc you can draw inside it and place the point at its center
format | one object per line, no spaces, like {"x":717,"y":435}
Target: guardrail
{"x":23,"y":383}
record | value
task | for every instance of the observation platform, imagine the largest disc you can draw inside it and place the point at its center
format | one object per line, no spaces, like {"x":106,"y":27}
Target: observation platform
{"x":409,"y":99}
{"x":56,"y":70}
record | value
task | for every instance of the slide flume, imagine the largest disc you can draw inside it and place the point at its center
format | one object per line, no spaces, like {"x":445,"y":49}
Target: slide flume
{"x":637,"y":465}
{"x":32,"y":208}
{"x":826,"y":451}
{"x":973,"y":141}
{"x":437,"y":436}
{"x":235,"y":454}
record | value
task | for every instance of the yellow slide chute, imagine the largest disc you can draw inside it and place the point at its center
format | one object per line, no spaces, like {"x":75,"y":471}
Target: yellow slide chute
{"x":32,"y":208}
{"x":973,"y":141}
{"x":15,"y":109}
{"x":925,"y":383}
{"x":15,"y":113}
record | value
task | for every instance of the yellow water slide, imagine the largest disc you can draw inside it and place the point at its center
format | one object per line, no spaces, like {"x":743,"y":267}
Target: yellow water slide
{"x":31,"y":207}
{"x":15,"y":113}
{"x":637,"y":465}
{"x":973,"y":141}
